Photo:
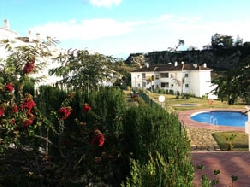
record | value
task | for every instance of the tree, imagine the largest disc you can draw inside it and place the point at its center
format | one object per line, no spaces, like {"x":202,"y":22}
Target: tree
{"x":227,"y":87}
{"x":243,"y":78}
{"x":219,"y":41}
{"x":82,"y":70}
{"x":122,"y":72}
{"x":234,"y":83}
{"x":246,"y":44}
{"x":180,"y":82}
{"x":221,"y":89}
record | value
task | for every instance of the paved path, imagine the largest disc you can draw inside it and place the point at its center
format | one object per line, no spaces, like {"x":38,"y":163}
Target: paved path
{"x":205,"y":151}
{"x":228,"y":162}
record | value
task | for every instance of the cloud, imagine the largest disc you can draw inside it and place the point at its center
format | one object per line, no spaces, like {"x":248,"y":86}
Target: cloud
{"x":106,"y":3}
{"x":91,"y":29}
{"x":98,"y":28}
{"x":107,"y":35}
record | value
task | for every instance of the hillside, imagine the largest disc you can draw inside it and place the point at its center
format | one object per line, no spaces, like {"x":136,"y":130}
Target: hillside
{"x":220,"y":59}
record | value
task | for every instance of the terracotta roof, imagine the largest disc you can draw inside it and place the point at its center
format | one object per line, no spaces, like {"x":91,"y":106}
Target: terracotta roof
{"x":171,"y":67}
{"x":24,"y":39}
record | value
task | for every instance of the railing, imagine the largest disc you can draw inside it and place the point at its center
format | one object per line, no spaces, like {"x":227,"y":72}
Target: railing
{"x":213,"y":120}
{"x":148,"y":100}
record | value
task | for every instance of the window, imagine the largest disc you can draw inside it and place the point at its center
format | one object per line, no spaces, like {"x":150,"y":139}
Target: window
{"x":186,"y":85}
{"x":144,"y":84}
{"x":157,"y":77}
{"x":164,"y":84}
{"x":138,"y":76}
{"x":139,"y":85}
{"x":164,"y":75}
{"x":186,"y":75}
{"x":143,"y":75}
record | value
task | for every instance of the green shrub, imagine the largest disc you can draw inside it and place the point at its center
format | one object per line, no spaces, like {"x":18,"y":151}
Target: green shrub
{"x":149,"y":128}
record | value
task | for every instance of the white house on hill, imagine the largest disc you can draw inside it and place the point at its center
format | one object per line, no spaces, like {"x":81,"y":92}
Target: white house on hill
{"x":178,"y":77}
{"x":31,"y":40}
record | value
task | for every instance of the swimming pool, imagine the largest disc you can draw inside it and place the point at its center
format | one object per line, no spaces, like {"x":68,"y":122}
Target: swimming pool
{"x":221,"y":118}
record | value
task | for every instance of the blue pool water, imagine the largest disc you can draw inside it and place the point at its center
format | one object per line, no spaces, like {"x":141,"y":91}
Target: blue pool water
{"x":221,"y":118}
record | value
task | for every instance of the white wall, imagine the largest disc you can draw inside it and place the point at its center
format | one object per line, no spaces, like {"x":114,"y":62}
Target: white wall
{"x":6,"y":33}
{"x":199,"y":81}
{"x":195,"y":83}
{"x":136,"y":79}
{"x":202,"y":80}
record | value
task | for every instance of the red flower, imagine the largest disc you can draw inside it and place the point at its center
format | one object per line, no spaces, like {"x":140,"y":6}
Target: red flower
{"x":1,"y":111}
{"x":98,"y":139}
{"x":27,"y":122}
{"x":29,"y":66}
{"x":64,"y":112}
{"x":86,"y":108}
{"x":28,"y":104}
{"x":13,"y":121}
{"x":9,"y":87}
{"x":15,"y":109}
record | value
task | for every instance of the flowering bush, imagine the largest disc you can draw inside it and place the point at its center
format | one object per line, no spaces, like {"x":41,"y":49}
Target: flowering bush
{"x":98,"y":138}
{"x":1,"y":111}
{"x":64,"y":112}
{"x":28,"y":103}
{"x":28,"y":121}
{"x":15,"y":108}
{"x":18,"y":109}
{"x":9,"y":87}
{"x":86,"y":108}
{"x":71,"y":147}
{"x":29,"y":66}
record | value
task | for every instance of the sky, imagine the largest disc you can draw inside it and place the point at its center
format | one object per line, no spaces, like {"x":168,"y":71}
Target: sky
{"x":120,"y":27}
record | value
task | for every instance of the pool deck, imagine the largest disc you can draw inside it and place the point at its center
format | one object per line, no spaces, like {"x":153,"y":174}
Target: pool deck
{"x":184,"y":116}
{"x":205,"y":151}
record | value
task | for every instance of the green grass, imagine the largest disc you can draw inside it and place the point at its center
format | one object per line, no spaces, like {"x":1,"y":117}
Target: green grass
{"x":240,"y":142}
{"x":202,"y":103}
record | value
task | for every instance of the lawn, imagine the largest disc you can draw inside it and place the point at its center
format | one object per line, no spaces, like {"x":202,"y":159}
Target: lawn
{"x":239,"y":143}
{"x":173,"y":102}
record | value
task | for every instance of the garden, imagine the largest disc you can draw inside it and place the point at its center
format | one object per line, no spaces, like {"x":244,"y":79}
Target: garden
{"x":84,"y":135}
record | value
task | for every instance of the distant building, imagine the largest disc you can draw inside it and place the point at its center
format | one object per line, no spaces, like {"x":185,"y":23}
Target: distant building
{"x":5,"y":32}
{"x":31,"y":40}
{"x":178,"y":77}
{"x":207,"y":47}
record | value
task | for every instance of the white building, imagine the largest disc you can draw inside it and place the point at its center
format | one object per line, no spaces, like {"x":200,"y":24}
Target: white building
{"x":6,"y":33}
{"x":178,"y":77}
{"x":32,"y":39}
